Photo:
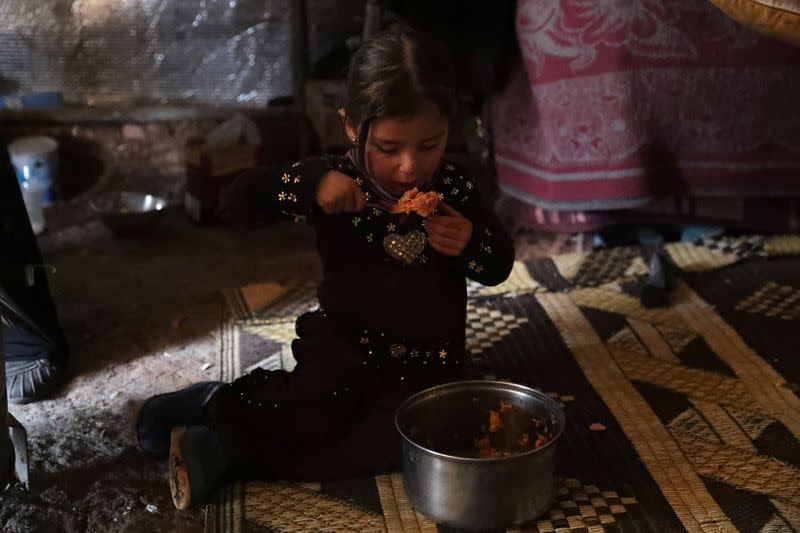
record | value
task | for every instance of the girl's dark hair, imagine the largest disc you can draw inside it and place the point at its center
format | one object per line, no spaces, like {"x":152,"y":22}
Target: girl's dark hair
{"x":392,"y":75}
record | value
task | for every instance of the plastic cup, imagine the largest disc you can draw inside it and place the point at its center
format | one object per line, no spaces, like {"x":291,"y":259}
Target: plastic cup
{"x":36,"y":159}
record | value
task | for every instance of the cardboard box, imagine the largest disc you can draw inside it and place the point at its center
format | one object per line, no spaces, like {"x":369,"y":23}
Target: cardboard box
{"x":208,"y":172}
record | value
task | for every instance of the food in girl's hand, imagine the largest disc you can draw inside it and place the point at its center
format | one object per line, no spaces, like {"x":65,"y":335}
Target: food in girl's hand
{"x":413,"y":201}
{"x":526,"y":427}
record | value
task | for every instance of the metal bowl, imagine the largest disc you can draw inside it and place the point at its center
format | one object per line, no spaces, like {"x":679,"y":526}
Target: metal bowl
{"x":128,"y":212}
{"x":458,"y":491}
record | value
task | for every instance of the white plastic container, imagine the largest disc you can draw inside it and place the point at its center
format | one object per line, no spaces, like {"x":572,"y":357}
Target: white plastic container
{"x":33,"y":193}
{"x":36,"y":159}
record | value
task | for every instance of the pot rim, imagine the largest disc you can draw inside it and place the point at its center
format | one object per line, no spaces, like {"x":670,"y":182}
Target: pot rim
{"x":96,"y":204}
{"x":551,"y":404}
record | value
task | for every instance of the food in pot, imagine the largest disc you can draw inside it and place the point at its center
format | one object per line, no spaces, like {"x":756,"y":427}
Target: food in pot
{"x":527,"y":432}
{"x":511,"y":430}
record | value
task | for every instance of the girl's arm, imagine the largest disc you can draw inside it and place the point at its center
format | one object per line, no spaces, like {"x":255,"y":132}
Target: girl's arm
{"x":465,"y":227}
{"x":267,"y":194}
{"x":272,"y":193}
{"x":489,"y":254}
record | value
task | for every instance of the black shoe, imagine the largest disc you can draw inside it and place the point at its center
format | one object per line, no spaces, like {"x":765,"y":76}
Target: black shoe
{"x":29,"y":381}
{"x":35,"y":353}
{"x":159,"y":414}
{"x":198,"y":465}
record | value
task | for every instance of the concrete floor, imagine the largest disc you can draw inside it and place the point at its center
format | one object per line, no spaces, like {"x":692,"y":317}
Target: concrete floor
{"x":142,"y":316}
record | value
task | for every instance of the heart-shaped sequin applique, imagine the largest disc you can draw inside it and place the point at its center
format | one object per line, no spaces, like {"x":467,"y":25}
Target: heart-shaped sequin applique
{"x":405,"y":248}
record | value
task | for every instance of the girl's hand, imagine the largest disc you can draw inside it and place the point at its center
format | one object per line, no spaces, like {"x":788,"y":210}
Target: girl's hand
{"x":448,"y":232}
{"x":339,"y":193}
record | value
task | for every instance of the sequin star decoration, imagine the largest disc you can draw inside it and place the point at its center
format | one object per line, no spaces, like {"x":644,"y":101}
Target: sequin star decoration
{"x":487,"y":249}
{"x":364,"y":340}
{"x":470,"y":185}
{"x":356,"y":221}
{"x":479,"y":269}
{"x":449,"y":167}
{"x":448,"y":181}
{"x":441,"y":196}
{"x":359,"y":181}
{"x":472,"y":265}
{"x":487,"y":232}
{"x":370,"y":238}
{"x":442,"y":354}
{"x":454,"y":192}
{"x":376,"y":211}
{"x":282,"y":196}
{"x":296,"y":179}
{"x":285,"y":178}
{"x":390,"y":227}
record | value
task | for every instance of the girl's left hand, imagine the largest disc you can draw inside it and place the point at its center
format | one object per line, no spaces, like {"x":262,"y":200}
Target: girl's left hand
{"x":448,"y":232}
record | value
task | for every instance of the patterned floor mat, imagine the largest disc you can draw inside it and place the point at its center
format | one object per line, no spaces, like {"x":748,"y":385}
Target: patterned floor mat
{"x":683,"y":418}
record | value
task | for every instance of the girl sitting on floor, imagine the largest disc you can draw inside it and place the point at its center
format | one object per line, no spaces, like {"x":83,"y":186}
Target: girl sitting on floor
{"x":392,"y":312}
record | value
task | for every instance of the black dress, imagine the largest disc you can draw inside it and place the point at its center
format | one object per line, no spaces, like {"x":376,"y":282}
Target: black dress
{"x":391,"y":322}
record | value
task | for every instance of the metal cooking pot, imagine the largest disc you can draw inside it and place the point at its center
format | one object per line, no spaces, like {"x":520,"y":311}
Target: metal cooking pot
{"x":128,"y":212}
{"x":456,"y":490}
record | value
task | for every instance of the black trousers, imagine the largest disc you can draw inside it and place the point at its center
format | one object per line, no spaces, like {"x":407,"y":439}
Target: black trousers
{"x":31,"y":329}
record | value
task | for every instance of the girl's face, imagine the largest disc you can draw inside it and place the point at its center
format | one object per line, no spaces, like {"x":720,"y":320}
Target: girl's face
{"x":402,"y":153}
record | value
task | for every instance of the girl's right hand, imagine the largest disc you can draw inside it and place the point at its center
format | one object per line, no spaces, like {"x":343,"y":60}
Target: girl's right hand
{"x":339,"y":193}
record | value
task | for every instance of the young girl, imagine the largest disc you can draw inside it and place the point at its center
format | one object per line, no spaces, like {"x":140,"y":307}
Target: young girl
{"x":393,"y":298}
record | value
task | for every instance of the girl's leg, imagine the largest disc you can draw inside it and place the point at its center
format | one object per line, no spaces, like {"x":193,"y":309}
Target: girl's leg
{"x":370,"y":443}
{"x":157,"y":416}
{"x":371,"y":446}
{"x":267,"y":415}
{"x":240,"y":427}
